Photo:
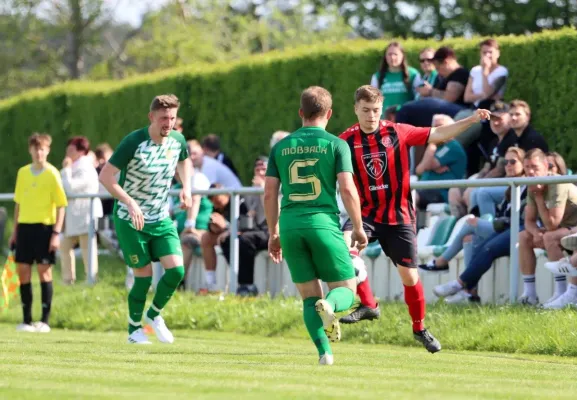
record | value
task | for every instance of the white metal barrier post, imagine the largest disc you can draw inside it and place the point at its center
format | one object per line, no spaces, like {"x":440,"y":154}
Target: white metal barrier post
{"x":91,"y":248}
{"x":233,"y":251}
{"x":514,"y":243}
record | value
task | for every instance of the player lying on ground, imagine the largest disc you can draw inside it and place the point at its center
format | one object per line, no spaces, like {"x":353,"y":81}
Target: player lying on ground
{"x":147,"y":160}
{"x":307,"y":164}
{"x":381,"y":164}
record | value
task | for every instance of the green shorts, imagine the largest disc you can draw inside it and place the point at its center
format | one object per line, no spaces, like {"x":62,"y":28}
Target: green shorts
{"x":317,"y":254}
{"x":155,"y":240}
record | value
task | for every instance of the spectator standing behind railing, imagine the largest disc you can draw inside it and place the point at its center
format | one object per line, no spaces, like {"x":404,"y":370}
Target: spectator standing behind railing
{"x":79,"y":177}
{"x":211,"y":148}
{"x":38,"y":218}
{"x":215,"y":171}
{"x":395,"y":78}
{"x":555,"y":206}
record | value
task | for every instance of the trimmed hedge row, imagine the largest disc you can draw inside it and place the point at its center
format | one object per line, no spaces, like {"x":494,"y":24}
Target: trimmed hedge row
{"x":244,"y":102}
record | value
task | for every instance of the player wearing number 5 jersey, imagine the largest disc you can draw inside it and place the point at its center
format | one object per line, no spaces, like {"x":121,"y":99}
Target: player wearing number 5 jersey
{"x":308,"y":164}
{"x":381,"y":164}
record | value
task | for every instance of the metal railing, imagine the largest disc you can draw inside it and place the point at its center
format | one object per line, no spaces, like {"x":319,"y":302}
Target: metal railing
{"x":514,"y":183}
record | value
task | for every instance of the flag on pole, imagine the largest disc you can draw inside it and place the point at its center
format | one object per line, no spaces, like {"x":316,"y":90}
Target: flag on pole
{"x":9,"y":282}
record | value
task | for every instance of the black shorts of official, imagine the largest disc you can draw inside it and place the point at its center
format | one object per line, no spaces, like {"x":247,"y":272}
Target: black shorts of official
{"x":33,"y":244}
{"x":399,"y":242}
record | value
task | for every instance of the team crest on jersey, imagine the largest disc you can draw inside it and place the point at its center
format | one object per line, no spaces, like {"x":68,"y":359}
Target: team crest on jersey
{"x":375,"y":164}
{"x":387,"y":141}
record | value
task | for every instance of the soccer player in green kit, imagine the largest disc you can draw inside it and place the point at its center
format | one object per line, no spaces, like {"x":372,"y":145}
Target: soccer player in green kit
{"x":307,"y":164}
{"x":147,"y":160}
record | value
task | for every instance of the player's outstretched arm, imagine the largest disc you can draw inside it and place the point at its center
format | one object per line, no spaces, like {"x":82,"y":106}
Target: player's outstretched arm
{"x":352,"y":204}
{"x":271,"y":210}
{"x":445,"y":133}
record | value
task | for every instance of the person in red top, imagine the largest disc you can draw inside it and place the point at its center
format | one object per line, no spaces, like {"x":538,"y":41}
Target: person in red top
{"x":380,"y":151}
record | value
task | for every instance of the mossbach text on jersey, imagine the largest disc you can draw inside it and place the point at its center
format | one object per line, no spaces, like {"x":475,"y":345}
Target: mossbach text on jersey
{"x":304,"y":150}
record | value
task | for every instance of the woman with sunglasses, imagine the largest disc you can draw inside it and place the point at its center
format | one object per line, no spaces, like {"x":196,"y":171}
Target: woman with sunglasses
{"x":429,"y":72}
{"x":464,"y":288}
{"x":481,"y":229}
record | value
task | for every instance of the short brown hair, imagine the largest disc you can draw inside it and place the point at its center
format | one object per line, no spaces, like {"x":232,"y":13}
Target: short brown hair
{"x":489,"y":43}
{"x":521,"y":104}
{"x":368,"y":94}
{"x":39,"y":139}
{"x":443,"y":53}
{"x":536,"y":153}
{"x":519,"y":152}
{"x":81,"y":143}
{"x":164,"y":101}
{"x":315,"y":102}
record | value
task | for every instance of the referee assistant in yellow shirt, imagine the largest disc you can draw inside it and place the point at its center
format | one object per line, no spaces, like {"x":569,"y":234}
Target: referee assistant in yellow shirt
{"x":39,"y":215}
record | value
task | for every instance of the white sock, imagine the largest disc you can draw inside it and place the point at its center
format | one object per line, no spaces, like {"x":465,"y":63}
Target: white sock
{"x":210,"y":278}
{"x":529,"y":286}
{"x":572,"y":291}
{"x":560,"y":284}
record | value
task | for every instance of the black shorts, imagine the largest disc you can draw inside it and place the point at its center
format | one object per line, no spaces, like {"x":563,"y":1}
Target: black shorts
{"x":399,"y":242}
{"x":33,"y":243}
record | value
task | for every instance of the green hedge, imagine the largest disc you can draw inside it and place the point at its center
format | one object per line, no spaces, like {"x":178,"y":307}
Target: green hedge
{"x":246,"y":101}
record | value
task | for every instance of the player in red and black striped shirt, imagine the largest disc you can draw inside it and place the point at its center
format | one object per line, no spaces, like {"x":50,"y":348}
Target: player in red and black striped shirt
{"x":380,"y":151}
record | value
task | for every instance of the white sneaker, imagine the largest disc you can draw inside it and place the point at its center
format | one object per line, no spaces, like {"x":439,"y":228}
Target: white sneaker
{"x":569,"y":242}
{"x":326,"y":359}
{"x":462,"y":296}
{"x":41,"y":327}
{"x":25,"y":328}
{"x":447,"y":289}
{"x":138,"y":337}
{"x":561,"y":302}
{"x":330,"y":321}
{"x":528,"y":300}
{"x":555,"y":296}
{"x":162,"y":332}
{"x":561,"y":267}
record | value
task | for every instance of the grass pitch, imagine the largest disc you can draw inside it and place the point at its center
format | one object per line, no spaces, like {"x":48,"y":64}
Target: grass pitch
{"x":215,"y":365}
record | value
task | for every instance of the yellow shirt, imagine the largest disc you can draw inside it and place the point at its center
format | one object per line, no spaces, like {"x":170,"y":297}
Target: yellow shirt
{"x":39,"y":195}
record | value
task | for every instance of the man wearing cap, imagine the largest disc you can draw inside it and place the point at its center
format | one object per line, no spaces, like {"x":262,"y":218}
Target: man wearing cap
{"x":494,"y":153}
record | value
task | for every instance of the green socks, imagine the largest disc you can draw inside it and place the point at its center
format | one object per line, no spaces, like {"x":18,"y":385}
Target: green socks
{"x":341,"y":299}
{"x":165,"y":289}
{"x":136,"y":302}
{"x":314,"y":325}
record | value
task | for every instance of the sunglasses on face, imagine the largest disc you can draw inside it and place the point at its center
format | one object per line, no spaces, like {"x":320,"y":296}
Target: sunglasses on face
{"x":510,"y":162}
{"x":422,"y":60}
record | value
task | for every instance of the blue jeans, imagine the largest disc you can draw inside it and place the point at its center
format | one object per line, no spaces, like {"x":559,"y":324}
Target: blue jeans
{"x":487,"y":198}
{"x":494,"y":247}
{"x":420,"y":112}
{"x":481,"y":232}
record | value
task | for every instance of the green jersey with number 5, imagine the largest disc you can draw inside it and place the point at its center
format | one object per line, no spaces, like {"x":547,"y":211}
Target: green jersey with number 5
{"x":307,"y":163}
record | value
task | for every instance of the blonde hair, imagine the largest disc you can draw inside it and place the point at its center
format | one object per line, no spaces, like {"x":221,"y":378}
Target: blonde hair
{"x":39,"y":139}
{"x":442,"y":119}
{"x":521,"y":104}
{"x":277,"y":137}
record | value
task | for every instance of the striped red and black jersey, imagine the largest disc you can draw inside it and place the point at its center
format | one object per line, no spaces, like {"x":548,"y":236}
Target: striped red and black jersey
{"x":382,"y":172}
